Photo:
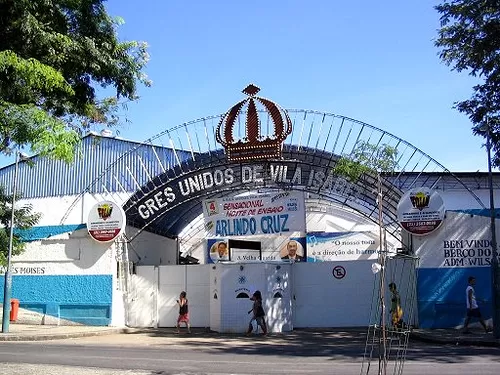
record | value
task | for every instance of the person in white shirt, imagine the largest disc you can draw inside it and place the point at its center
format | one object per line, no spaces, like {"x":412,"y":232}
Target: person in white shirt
{"x":472,"y":306}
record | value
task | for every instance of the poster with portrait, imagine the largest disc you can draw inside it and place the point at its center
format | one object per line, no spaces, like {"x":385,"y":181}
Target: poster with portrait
{"x":217,"y":250}
{"x":294,"y":249}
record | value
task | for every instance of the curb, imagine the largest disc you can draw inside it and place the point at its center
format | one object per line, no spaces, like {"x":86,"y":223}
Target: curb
{"x":417,"y":336}
{"x":455,"y":341}
{"x":59,"y":336}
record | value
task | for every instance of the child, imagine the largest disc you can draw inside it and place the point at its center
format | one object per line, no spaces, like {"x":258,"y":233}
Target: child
{"x":258,"y":313}
{"x":183,"y":312}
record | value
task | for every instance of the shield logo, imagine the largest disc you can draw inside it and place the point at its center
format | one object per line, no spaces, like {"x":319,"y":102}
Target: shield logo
{"x":104,"y":211}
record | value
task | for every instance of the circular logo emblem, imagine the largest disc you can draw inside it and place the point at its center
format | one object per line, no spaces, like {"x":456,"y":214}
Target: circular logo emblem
{"x":106,"y":221}
{"x":338,"y":272}
{"x":420,"y":211}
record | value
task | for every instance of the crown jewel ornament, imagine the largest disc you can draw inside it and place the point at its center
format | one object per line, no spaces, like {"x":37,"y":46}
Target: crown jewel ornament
{"x":254,"y":145}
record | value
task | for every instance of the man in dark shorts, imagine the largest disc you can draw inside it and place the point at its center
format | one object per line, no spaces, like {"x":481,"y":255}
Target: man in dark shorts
{"x":472,"y":307}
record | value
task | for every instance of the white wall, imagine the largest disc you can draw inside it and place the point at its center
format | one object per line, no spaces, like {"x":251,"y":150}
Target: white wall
{"x":337,"y":219}
{"x":71,"y":209}
{"x":321,"y":300}
{"x":68,"y":254}
{"x":150,"y":249}
{"x":316,"y":297}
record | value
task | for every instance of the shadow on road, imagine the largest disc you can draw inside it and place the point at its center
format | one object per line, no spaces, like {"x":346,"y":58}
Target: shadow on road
{"x":337,"y":344}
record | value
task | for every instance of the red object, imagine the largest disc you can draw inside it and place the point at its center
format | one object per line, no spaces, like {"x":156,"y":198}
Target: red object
{"x":14,"y":309}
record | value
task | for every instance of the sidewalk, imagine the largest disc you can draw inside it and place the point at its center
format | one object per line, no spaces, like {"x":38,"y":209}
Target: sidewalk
{"x":26,"y":332}
{"x":476,"y":337}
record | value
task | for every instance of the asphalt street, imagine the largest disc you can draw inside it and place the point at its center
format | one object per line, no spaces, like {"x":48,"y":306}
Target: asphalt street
{"x":156,"y":354}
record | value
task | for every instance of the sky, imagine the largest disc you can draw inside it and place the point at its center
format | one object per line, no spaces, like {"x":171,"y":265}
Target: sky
{"x":373,"y":61}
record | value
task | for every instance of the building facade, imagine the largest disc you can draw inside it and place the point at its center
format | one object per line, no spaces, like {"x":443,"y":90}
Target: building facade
{"x":65,"y":277}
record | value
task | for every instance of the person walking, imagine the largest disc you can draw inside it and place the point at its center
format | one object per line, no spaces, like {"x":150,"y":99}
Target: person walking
{"x":183,"y":312}
{"x":472,"y":306}
{"x":258,"y":314}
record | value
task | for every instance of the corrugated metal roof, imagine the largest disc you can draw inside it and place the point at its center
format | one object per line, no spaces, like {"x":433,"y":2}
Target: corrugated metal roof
{"x":130,"y":170}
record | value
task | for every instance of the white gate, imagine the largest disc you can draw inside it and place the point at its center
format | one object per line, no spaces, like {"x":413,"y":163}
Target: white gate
{"x":141,"y":309}
{"x":326,"y":294}
{"x":194,"y":280}
{"x":154,"y":291}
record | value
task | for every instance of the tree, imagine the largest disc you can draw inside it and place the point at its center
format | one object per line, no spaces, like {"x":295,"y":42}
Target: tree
{"x":367,"y":158}
{"x":469,"y":40}
{"x":56,"y":58}
{"x":24,"y":218}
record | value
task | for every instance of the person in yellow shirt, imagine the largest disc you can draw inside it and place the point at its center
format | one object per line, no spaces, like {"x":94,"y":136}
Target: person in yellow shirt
{"x":396,"y":309}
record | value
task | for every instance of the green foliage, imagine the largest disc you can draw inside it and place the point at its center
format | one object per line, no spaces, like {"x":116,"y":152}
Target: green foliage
{"x":54,"y":55}
{"x":29,"y":125}
{"x":367,"y":158}
{"x":469,"y":40}
{"x":24,"y":218}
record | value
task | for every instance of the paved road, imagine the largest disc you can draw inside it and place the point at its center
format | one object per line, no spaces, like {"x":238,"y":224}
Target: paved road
{"x":145,"y":354}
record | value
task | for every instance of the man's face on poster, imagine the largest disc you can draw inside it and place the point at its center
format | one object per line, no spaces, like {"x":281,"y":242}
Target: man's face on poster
{"x":222,"y":249}
{"x":292,"y":248}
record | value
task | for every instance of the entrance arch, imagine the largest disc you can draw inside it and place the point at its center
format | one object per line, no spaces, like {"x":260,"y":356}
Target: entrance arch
{"x":161,"y":182}
{"x":317,"y":140}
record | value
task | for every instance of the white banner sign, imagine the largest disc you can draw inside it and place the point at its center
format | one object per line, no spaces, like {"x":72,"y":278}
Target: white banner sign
{"x":464,"y":240}
{"x":341,"y":246}
{"x":256,"y":214}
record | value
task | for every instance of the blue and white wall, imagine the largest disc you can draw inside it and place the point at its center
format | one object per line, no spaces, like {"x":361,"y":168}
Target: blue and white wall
{"x":460,"y":248}
{"x":66,"y":277}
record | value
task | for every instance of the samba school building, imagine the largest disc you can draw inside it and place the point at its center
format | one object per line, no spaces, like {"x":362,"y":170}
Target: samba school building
{"x":249,"y":200}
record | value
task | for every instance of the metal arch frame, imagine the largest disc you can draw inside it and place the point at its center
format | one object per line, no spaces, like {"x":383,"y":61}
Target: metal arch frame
{"x":296,"y":147}
{"x":321,"y":161}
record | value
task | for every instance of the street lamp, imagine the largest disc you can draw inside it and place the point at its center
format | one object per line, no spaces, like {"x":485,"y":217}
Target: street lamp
{"x":495,"y":279}
{"x":7,"y":290}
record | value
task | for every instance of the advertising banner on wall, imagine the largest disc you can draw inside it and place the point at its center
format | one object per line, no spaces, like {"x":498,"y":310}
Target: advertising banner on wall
{"x":342,"y":246}
{"x":257,"y":214}
{"x":225,"y":249}
{"x":420,"y":211}
{"x":464,"y":240}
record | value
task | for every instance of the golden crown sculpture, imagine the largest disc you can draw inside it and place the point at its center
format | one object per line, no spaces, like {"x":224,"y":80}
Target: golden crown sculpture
{"x":254,"y":145}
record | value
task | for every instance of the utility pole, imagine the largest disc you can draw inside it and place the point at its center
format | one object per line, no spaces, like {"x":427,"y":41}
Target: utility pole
{"x":382,"y":261}
{"x":495,"y":278}
{"x":7,"y":289}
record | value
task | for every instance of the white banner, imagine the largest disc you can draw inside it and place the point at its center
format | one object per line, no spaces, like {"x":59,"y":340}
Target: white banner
{"x":270,"y":213}
{"x":464,"y":240}
{"x":342,"y":246}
